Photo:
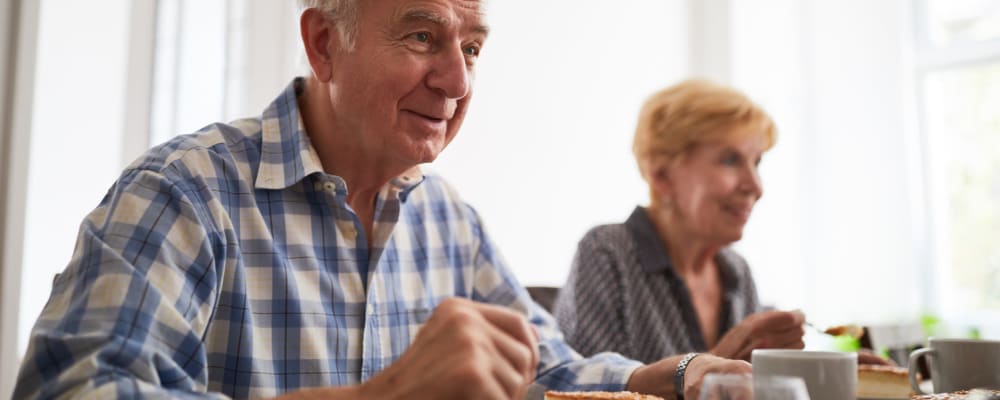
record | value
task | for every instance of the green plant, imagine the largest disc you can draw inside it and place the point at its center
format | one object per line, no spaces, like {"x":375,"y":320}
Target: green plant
{"x":931,"y":324}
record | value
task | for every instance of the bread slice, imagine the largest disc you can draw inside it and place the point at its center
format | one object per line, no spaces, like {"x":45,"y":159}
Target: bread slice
{"x":550,"y":395}
{"x":883,"y":382}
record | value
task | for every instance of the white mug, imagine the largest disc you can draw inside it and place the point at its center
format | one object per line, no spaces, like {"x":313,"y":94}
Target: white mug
{"x":959,"y":364}
{"x":828,"y":375}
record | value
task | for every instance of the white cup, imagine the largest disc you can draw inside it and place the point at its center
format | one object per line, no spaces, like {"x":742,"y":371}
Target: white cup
{"x":828,"y":375}
{"x":959,"y":364}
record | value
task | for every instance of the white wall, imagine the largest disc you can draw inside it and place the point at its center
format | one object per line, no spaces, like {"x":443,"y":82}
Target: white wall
{"x":839,"y":219}
{"x":545,"y":152}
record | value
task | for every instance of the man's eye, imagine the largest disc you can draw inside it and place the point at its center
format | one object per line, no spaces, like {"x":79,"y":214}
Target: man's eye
{"x":472,"y":50}
{"x":422,"y":37}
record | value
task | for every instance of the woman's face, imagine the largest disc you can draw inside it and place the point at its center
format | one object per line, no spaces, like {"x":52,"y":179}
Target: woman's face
{"x":711,"y":189}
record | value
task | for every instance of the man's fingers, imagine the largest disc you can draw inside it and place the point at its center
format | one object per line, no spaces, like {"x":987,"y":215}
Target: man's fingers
{"x":509,"y":321}
{"x":485,"y":383}
{"x":511,"y":380}
{"x":519,"y":357}
{"x":509,"y":332}
{"x":518,"y":328}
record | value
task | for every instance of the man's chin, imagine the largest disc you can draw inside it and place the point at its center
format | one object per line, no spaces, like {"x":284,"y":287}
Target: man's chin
{"x":427,"y":152}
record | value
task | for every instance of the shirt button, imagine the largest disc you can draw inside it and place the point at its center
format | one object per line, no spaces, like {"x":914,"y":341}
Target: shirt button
{"x":371,"y":309}
{"x":329,"y":187}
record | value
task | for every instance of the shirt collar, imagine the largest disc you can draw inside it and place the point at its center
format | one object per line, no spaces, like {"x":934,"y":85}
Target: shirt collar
{"x":653,"y":256}
{"x":287,"y":156}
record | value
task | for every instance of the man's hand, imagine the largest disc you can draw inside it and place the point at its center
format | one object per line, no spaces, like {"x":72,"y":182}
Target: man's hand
{"x":658,"y":378}
{"x":763,"y":330}
{"x":467,"y":350}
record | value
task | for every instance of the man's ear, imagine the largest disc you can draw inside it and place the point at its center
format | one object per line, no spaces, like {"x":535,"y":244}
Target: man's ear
{"x":320,"y":39}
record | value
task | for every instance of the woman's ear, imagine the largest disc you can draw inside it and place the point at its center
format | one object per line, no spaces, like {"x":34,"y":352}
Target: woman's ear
{"x":321,"y":41}
{"x":659,"y":178}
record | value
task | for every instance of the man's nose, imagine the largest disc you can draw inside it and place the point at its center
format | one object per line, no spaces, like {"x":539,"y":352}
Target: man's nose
{"x":450,"y":75}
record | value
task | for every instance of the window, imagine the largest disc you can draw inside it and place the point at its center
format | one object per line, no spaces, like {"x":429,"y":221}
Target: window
{"x":76,"y":135}
{"x":958,"y":75}
{"x":214,"y":61}
{"x":219,"y":60}
{"x":952,"y":22}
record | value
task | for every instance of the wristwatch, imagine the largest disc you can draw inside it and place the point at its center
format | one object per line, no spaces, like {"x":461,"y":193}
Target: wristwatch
{"x":679,"y":374}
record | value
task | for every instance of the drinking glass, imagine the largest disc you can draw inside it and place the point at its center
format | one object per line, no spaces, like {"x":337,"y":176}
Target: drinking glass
{"x":727,"y":387}
{"x":746,"y":387}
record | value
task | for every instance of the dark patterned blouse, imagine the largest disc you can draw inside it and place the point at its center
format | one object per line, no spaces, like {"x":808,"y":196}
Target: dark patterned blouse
{"x":623,"y":295}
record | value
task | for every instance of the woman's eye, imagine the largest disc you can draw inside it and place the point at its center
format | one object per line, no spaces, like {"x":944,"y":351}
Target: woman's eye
{"x":730,"y":159}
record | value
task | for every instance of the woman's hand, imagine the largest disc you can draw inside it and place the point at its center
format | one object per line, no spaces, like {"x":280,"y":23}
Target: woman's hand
{"x":763,"y":330}
{"x":866,"y":356}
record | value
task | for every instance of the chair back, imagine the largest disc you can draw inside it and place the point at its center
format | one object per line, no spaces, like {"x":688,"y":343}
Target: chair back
{"x":545,"y":296}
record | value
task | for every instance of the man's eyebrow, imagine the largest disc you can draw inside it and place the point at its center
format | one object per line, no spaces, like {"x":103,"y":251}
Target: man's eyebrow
{"x":419,"y":15}
{"x":481,"y":29}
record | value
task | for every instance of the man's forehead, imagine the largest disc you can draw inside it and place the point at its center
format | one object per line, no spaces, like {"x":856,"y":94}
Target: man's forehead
{"x":464,"y":14}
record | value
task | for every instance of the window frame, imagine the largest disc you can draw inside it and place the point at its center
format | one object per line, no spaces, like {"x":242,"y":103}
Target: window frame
{"x":930,"y":58}
{"x":17,"y":66}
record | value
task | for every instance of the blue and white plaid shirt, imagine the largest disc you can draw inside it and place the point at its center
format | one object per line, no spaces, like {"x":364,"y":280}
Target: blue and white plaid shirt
{"x":228,"y":262}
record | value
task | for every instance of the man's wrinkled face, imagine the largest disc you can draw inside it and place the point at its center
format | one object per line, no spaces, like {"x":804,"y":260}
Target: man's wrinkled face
{"x":403,"y":90}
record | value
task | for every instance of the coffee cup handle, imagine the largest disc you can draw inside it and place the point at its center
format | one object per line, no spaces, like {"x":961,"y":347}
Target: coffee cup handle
{"x":914,"y":357}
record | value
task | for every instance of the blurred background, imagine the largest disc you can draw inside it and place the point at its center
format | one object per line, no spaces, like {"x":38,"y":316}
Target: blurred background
{"x":882,"y":195}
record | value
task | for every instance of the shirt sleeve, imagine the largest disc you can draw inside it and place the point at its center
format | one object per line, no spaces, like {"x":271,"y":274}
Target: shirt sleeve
{"x":126,"y":317}
{"x":559,"y":367}
{"x":590,"y":307}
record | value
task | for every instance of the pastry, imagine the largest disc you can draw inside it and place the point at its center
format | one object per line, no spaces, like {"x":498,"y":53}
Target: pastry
{"x":550,"y":395}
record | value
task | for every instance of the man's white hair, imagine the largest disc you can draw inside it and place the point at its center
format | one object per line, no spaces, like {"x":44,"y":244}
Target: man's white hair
{"x":343,"y":13}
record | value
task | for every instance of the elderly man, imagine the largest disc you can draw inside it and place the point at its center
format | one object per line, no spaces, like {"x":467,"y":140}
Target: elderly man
{"x":303,"y":254}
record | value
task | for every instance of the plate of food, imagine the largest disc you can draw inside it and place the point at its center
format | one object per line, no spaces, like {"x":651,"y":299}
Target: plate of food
{"x":552,"y":395}
{"x":974,"y":394}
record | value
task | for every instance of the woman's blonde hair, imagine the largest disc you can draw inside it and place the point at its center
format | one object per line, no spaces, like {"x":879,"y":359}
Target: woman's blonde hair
{"x":677,"y":118}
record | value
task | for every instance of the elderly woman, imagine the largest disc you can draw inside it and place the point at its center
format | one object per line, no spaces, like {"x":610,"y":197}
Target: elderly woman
{"x":665,"y":282}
